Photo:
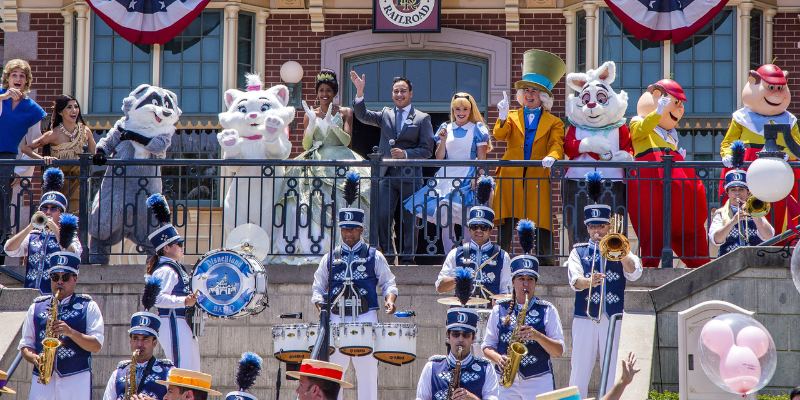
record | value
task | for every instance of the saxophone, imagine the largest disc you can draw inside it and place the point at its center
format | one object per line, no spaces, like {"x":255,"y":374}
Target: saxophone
{"x":455,"y":381}
{"x":516,"y":349}
{"x":49,"y":344}
{"x":131,"y":388}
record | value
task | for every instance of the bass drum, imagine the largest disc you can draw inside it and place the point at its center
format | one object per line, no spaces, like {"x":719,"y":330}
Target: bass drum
{"x":230,"y":284}
{"x":395,"y":343}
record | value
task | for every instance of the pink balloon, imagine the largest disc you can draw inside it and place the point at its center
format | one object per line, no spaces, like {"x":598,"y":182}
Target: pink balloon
{"x":740,"y":370}
{"x":717,"y":336}
{"x":755,"y":339}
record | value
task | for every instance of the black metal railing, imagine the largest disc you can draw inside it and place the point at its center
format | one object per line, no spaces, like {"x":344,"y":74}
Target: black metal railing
{"x":295,"y":201}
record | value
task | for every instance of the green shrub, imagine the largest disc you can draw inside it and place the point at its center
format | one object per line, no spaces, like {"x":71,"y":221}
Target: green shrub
{"x":674,"y":396}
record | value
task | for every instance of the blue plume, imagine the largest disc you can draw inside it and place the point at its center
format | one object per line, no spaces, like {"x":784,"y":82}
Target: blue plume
{"x":737,"y":148}
{"x":525,"y":229}
{"x":69,"y":230}
{"x":158,"y":204}
{"x":463,"y":284}
{"x":594,"y":185}
{"x":152,"y":287}
{"x":351,"y":187}
{"x":53,"y":180}
{"x":484,"y":192}
{"x":249,"y":368}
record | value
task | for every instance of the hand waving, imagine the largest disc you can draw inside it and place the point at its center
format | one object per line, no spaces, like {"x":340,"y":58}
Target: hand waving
{"x":358,"y":82}
{"x":503,"y":106}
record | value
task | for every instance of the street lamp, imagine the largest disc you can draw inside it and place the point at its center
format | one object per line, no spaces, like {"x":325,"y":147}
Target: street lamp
{"x":770,"y":178}
{"x":292,"y":75}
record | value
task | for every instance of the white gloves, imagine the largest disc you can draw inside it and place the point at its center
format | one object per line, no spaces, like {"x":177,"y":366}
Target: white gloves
{"x":595,"y":144}
{"x":548,"y":162}
{"x":727,"y":161}
{"x":621,"y":155}
{"x":682,"y":152}
{"x":502,"y":107}
{"x":662,"y":102}
{"x":311,"y":115}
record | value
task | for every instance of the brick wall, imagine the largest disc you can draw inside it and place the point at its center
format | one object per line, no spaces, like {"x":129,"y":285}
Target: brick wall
{"x":786,"y":36}
{"x":48,"y":68}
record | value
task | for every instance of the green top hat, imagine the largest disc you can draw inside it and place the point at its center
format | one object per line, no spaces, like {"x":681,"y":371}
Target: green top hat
{"x":541,"y":70}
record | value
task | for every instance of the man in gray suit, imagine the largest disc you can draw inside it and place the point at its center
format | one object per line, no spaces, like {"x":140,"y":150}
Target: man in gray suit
{"x":405,"y":133}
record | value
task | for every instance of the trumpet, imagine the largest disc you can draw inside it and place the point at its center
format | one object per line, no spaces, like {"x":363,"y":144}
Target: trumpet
{"x":39,"y":221}
{"x":756,"y":208}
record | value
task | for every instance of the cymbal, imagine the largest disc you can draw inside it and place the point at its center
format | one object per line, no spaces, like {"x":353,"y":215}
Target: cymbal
{"x":249,"y":238}
{"x":500,"y":296}
{"x":453,"y":301}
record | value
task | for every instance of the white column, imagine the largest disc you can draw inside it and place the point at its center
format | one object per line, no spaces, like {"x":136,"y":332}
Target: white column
{"x":591,"y":34}
{"x":260,"y":43}
{"x":569,"y":17}
{"x":743,"y":45}
{"x":69,"y":37}
{"x":666,"y":57}
{"x":769,"y":23}
{"x":230,"y":43}
{"x":82,"y":30}
{"x":155,"y":70}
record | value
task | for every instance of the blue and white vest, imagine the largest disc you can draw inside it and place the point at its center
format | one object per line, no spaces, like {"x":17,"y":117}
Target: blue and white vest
{"x":473,"y":375}
{"x":182,"y":288}
{"x":70,"y":359}
{"x":735,"y":239}
{"x":146,"y":385}
{"x":615,"y":282}
{"x":488,"y":275}
{"x":537,"y":361}
{"x":37,"y":261}
{"x":361,"y":262}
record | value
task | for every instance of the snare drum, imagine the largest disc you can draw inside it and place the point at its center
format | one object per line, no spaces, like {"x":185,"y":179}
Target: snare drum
{"x":293,"y":343}
{"x":354,"y":339}
{"x":231,"y":284}
{"x":396,"y":343}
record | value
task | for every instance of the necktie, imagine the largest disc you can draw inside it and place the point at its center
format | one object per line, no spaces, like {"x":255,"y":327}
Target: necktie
{"x":398,"y":121}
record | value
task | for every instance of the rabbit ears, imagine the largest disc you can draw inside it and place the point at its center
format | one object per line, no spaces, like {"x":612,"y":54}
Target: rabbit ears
{"x":606,"y":74}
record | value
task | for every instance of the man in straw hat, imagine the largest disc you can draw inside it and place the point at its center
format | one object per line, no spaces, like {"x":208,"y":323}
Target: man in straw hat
{"x":3,"y":382}
{"x":531,"y":133}
{"x":571,"y":393}
{"x":319,"y":380}
{"x":185,"y":384}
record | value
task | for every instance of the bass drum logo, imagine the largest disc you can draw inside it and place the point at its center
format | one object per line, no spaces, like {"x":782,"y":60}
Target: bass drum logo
{"x":406,"y":13}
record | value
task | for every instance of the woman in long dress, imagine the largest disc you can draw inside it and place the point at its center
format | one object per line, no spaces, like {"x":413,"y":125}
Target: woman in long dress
{"x":451,"y":192}
{"x":307,"y":189}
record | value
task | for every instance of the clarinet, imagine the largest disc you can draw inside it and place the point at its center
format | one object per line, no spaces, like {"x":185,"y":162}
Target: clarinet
{"x":455,"y":382}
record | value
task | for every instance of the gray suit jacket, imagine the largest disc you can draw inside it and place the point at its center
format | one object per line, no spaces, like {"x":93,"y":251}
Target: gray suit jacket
{"x":416,"y":138}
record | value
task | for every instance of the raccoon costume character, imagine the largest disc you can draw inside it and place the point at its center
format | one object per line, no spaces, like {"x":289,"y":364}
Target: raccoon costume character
{"x":144,"y":132}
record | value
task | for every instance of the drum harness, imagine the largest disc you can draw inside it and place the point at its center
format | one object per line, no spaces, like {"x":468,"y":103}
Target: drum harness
{"x":349,"y":295}
{"x":480,"y":290}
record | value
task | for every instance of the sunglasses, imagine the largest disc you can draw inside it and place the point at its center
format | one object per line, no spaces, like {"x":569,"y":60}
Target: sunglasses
{"x":480,"y":228}
{"x":458,"y":334}
{"x":49,"y":208}
{"x":62,"y":277}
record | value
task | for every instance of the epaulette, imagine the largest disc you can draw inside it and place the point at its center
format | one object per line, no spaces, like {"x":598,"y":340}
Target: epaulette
{"x":543,"y":302}
{"x":123,"y":363}
{"x":481,"y":360}
{"x":503,"y":301}
{"x":83,"y":296}
{"x":576,"y":245}
{"x":42,"y":298}
{"x":437,"y":357}
{"x":166,"y":361}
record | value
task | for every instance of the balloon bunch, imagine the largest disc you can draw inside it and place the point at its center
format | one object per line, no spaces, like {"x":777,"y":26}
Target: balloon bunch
{"x":737,"y":353}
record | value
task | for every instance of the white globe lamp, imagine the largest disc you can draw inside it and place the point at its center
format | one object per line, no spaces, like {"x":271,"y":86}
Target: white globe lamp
{"x":770,"y":178}
{"x":291,"y":72}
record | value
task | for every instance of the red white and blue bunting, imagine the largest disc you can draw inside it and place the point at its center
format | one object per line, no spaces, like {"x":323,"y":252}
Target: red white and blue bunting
{"x":658,"y":20}
{"x":148,"y":21}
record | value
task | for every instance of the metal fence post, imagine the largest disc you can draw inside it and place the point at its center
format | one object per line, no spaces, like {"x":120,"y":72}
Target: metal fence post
{"x":83,"y":208}
{"x":374,"y":198}
{"x":666,"y":251}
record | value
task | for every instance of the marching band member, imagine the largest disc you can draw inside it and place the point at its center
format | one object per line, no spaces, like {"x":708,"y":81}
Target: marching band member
{"x":357,"y":270}
{"x":246,"y":374}
{"x":50,"y":230}
{"x":77,"y":323}
{"x":732,"y":226}
{"x":175,"y":299}
{"x":319,"y":380}
{"x":540,"y":332}
{"x":654,"y":136}
{"x":488,"y":262}
{"x":478,"y":379}
{"x":143,"y":336}
{"x":587,"y":268}
{"x":184,"y":384}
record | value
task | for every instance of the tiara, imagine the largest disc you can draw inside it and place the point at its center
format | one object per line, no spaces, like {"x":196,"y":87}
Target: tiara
{"x":325,"y":76}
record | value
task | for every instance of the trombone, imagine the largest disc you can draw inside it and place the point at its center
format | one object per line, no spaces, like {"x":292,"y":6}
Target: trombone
{"x":613,"y":247}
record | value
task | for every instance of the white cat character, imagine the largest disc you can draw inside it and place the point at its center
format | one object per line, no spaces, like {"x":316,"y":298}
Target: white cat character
{"x":255,"y":127}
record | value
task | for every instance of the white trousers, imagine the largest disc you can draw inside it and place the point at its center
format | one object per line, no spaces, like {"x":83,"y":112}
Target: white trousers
{"x":527,"y":389}
{"x":188,"y":356}
{"x":74,"y":387}
{"x":366,"y":366}
{"x":589,"y":345}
